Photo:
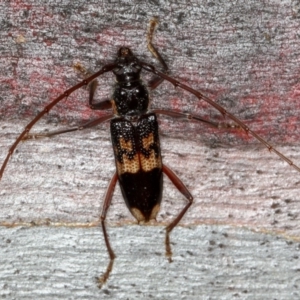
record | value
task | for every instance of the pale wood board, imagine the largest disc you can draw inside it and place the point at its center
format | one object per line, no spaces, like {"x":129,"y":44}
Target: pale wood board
{"x":241,"y":236}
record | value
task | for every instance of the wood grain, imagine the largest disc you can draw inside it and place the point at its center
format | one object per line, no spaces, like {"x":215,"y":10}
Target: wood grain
{"x":240,"y":237}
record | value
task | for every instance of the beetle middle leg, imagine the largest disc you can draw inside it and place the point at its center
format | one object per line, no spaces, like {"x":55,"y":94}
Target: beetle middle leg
{"x":89,"y":124}
{"x":184,"y":191}
{"x":192,"y":117}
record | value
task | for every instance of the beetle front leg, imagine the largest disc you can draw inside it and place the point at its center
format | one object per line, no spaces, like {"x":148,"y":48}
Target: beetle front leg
{"x":106,"y":104}
{"x":47,"y":108}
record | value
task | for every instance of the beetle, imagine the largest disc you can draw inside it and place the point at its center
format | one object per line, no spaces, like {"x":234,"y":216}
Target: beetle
{"x":135,"y":138}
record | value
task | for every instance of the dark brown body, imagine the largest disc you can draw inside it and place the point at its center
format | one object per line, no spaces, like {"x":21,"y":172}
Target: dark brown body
{"x":138,"y":163}
{"x":134,"y":134}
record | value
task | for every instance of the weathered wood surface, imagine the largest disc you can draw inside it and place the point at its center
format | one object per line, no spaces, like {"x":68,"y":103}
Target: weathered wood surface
{"x":245,"y":56}
{"x":210,"y":262}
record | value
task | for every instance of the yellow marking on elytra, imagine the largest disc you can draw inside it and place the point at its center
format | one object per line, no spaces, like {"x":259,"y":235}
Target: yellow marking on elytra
{"x":138,"y":161}
{"x":151,"y":162}
{"x":154,"y":212}
{"x":127,"y":145}
{"x":141,"y":218}
{"x":147,"y":141}
{"x":137,"y":214}
{"x":128,"y":165}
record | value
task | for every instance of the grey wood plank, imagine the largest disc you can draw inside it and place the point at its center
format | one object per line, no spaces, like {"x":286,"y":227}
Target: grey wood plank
{"x":245,"y":56}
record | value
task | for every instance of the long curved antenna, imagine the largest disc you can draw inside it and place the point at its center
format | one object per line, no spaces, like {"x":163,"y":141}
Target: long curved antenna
{"x":222,"y":110}
{"x":104,"y":69}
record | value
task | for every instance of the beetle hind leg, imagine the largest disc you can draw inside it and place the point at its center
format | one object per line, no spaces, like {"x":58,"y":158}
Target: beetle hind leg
{"x":102,"y":279}
{"x":184,"y":191}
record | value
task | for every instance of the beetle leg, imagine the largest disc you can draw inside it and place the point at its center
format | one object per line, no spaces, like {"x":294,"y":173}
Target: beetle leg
{"x":184,"y":191}
{"x":92,"y":86}
{"x":89,"y":124}
{"x":222,"y":110}
{"x":106,"y":104}
{"x":191,"y":117}
{"x":47,"y":108}
{"x":107,"y":201}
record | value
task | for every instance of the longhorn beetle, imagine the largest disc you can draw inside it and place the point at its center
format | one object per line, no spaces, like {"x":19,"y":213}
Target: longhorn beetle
{"x":135,"y":140}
